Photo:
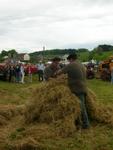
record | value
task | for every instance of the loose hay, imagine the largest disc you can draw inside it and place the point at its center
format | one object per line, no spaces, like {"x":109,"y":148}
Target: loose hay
{"x":29,"y":144}
{"x":99,"y":112}
{"x":9,"y":111}
{"x":50,"y":113}
{"x":51,"y":105}
{"x":54,"y":104}
{"x":2,"y":120}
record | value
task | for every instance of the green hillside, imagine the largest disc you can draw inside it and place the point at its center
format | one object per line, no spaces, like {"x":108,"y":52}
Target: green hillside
{"x":101,"y":52}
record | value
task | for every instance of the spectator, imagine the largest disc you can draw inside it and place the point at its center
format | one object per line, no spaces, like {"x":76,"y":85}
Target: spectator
{"x":22,"y":72}
{"x":29,"y":72}
{"x":17,"y":73}
{"x":50,"y":70}
{"x":11,"y":73}
{"x":41,"y":68}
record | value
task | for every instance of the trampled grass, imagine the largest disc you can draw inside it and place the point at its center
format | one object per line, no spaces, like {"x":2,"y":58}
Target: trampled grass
{"x":98,"y":137}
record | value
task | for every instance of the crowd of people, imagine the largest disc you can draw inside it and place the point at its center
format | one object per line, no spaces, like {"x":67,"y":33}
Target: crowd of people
{"x":16,"y":72}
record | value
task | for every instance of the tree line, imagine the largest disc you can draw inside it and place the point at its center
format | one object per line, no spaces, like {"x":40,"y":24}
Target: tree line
{"x":101,"y":52}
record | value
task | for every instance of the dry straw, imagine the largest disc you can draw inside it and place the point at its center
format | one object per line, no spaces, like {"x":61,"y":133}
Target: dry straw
{"x":53,"y":103}
{"x":9,"y":111}
{"x":51,"y":113}
{"x":99,"y":112}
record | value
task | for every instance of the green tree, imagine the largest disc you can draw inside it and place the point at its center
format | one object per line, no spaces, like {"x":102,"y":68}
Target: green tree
{"x":12,"y":53}
{"x":4,"y":53}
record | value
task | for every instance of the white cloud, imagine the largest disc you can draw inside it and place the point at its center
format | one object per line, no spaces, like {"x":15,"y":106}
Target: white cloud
{"x":30,"y":24}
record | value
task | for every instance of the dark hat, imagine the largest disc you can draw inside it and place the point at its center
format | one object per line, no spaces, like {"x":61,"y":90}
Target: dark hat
{"x":72,"y":56}
{"x":56,"y":59}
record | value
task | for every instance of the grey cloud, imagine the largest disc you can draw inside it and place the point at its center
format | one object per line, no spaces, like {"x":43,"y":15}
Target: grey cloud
{"x":34,"y":18}
{"x":88,"y":45}
{"x":95,"y":2}
{"x":36,"y":14}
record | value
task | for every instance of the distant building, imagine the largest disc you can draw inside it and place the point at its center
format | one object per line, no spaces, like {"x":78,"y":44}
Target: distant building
{"x":23,"y":57}
{"x":64,"y":59}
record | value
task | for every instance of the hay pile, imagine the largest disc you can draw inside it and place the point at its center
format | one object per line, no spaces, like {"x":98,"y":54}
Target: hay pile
{"x":99,"y":112}
{"x":54,"y":104}
{"x":51,"y":113}
{"x":9,"y":111}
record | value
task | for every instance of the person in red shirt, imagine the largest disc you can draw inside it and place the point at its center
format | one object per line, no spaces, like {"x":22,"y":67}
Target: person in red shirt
{"x":30,"y":72}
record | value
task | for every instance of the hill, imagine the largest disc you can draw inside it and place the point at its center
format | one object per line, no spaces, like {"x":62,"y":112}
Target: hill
{"x":99,"y":53}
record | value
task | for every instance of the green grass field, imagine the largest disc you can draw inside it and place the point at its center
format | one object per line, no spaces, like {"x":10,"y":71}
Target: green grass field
{"x":103,"y":90}
{"x":15,"y":93}
{"x":98,"y":137}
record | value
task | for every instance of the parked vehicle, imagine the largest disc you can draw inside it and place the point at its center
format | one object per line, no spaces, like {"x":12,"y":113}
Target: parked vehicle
{"x":2,"y":71}
{"x":105,"y":67}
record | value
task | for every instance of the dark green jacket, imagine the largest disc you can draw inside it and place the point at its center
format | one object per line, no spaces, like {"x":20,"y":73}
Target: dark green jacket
{"x":76,"y":77}
{"x":49,"y":72}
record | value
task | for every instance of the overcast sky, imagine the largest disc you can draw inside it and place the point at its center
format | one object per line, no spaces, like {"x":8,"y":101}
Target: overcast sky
{"x":28,"y":25}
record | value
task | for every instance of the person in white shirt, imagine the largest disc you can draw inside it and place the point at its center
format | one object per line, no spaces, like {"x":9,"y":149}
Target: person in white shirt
{"x":22,"y":73}
{"x":41,"y":68}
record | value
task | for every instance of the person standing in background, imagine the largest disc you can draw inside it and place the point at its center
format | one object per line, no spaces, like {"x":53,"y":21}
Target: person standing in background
{"x":40,"y":68}
{"x":11,"y":73}
{"x":50,"y":70}
{"x":30,"y":72}
{"x":17,"y":73}
{"x":22,"y":72}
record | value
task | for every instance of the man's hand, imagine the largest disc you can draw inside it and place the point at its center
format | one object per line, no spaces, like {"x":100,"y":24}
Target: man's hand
{"x":59,"y":72}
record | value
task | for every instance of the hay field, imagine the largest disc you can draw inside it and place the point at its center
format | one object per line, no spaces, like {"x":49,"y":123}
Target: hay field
{"x":14,"y":131}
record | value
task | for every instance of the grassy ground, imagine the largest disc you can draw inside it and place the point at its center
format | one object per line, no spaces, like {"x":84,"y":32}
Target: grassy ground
{"x":16,"y":93}
{"x":98,"y":137}
{"x":103,"y":90}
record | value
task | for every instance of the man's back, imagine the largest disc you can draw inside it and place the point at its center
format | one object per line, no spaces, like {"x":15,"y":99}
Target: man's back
{"x":76,"y":77}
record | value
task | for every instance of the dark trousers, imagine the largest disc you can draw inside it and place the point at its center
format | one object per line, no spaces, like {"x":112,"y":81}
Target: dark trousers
{"x":84,"y":120}
{"x":40,"y":75}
